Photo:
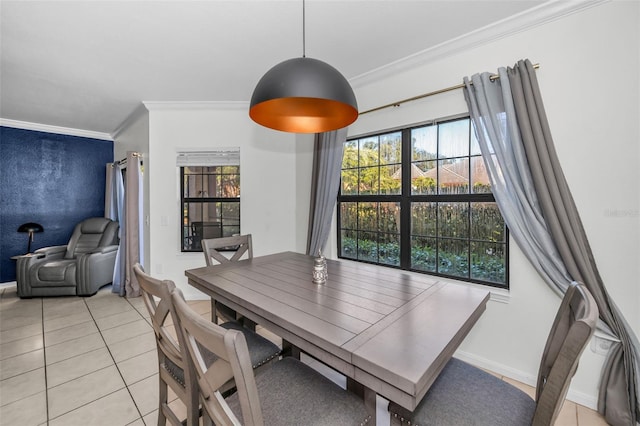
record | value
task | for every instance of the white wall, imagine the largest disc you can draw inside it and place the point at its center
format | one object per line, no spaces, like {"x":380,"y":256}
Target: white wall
{"x":268,"y":181}
{"x":589,"y":81}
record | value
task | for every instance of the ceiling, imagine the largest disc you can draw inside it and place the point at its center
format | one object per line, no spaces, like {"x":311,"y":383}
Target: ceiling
{"x":88,"y":65}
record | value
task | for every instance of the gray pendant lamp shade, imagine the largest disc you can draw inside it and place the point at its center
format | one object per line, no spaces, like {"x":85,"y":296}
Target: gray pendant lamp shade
{"x":303,"y":95}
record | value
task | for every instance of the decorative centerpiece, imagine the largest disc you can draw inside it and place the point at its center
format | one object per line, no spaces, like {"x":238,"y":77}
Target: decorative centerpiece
{"x":320,"y":269}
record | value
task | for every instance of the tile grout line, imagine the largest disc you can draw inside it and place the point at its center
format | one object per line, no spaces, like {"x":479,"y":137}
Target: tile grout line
{"x":134,"y":401}
{"x":83,"y":405}
{"x":44,"y":355}
{"x":113,"y":359}
{"x":45,"y":365}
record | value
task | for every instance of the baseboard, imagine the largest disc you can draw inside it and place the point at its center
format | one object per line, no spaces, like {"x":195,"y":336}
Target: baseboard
{"x":8,"y":284}
{"x":589,"y":401}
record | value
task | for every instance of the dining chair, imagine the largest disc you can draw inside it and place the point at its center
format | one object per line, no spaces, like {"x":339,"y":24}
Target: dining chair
{"x":288,"y":393}
{"x":466,"y":395}
{"x":213,"y":249}
{"x":173,"y":372}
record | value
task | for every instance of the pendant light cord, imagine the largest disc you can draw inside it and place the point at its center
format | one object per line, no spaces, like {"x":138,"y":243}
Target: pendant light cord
{"x":304,"y":48}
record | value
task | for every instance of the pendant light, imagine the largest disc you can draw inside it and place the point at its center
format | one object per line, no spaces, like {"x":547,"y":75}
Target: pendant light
{"x":303,"y":95}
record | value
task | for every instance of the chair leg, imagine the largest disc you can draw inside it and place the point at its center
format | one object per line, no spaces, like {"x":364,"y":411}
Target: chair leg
{"x":395,"y":421}
{"x":162,"y":401}
{"x":206,"y":420}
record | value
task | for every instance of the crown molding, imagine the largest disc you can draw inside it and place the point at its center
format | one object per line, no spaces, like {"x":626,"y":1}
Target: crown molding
{"x":137,"y":113}
{"x":547,"y":12}
{"x":195,"y":105}
{"x":25,"y":125}
{"x":148,"y":106}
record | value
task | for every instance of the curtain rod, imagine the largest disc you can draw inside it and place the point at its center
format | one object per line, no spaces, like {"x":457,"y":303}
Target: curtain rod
{"x":426,"y":95}
{"x":124,"y":160}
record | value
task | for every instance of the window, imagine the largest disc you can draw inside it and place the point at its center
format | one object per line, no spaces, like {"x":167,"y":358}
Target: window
{"x":420,"y":199}
{"x":210,"y":196}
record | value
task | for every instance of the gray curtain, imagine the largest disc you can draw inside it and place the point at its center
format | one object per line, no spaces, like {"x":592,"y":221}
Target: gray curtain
{"x":325,"y":183}
{"x":118,"y":270}
{"x":536,"y":203}
{"x":113,"y":207}
{"x":133,"y":224}
{"x":110,"y":200}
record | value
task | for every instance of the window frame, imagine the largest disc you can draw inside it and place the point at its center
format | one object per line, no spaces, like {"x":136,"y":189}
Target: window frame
{"x":225,"y":157}
{"x":406,"y":198}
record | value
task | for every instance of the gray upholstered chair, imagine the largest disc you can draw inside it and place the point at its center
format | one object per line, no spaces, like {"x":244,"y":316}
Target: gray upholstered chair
{"x":465,"y":395}
{"x":80,"y":268}
{"x":288,"y":393}
{"x":213,"y":249}
{"x":172,"y":372}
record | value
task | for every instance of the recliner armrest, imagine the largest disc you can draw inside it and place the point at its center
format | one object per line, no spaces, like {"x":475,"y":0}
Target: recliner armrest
{"x":28,"y":261}
{"x":50,"y":251}
{"x":105,"y":249}
{"x":95,"y":269}
{"x":40,"y":255}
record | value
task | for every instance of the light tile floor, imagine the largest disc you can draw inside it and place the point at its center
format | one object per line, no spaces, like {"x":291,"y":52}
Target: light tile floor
{"x":92,"y":361}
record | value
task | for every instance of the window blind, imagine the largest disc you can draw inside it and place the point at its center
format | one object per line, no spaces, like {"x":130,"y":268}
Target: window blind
{"x":218,"y":157}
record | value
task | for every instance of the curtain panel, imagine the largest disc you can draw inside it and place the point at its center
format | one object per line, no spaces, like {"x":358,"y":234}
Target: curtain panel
{"x":325,"y":183}
{"x":113,"y":209}
{"x":110,"y":200}
{"x":133,"y":224}
{"x":536,"y":203}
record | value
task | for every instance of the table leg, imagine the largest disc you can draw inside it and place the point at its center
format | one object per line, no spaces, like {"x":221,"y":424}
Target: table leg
{"x":367,"y":395}
{"x":214,"y":318}
{"x":288,"y":349}
{"x":246,"y":322}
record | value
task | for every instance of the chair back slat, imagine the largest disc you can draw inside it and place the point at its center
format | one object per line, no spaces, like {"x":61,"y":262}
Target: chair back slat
{"x":572,"y":329}
{"x":159,"y":311}
{"x":233,"y":362}
{"x":212,"y":249}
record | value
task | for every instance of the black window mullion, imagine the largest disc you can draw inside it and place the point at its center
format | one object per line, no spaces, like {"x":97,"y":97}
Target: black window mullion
{"x":469,"y":234}
{"x":470,"y":189}
{"x":379,"y":171}
{"x":211,"y":200}
{"x":474,"y":198}
{"x":405,"y":201}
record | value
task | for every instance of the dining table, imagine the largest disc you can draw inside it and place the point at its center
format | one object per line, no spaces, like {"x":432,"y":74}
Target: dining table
{"x":389,"y":331}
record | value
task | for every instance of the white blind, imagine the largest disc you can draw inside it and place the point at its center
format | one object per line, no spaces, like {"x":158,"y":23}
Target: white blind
{"x":217,"y":157}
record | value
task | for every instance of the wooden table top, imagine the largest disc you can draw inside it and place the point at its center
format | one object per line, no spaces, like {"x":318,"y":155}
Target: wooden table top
{"x":390,"y":330}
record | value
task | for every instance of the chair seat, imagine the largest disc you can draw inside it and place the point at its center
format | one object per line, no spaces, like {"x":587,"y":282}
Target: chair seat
{"x":292,"y":393}
{"x":261,"y":351}
{"x":465,"y":395}
{"x":62,"y":272}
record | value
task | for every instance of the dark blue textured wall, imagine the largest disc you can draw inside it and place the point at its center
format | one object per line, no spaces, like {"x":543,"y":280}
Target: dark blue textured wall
{"x":54,"y":180}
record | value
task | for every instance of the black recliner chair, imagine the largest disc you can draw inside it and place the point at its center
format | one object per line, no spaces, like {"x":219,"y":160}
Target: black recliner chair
{"x":80,"y":268}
